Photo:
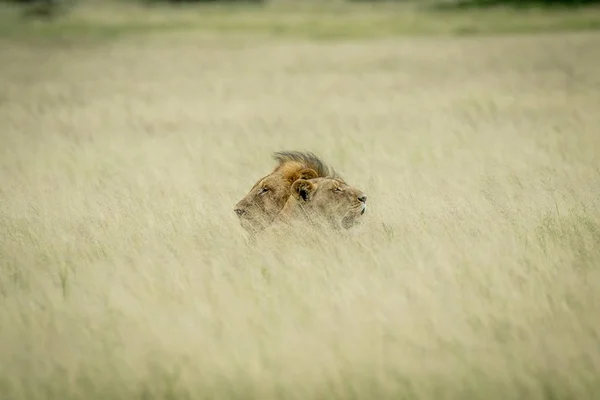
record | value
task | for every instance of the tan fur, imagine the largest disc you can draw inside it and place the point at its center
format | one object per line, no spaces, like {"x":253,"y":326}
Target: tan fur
{"x":266,"y":199}
{"x":326,"y":200}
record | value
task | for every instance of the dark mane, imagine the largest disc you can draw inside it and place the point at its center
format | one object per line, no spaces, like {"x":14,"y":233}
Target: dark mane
{"x":309,"y":160}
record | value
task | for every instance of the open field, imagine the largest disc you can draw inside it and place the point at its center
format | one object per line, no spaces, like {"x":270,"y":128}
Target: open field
{"x":331,"y":20}
{"x":476,"y":273}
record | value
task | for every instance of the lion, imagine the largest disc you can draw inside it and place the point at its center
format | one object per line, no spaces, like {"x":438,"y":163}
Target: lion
{"x":329,"y":200}
{"x":262,"y":204}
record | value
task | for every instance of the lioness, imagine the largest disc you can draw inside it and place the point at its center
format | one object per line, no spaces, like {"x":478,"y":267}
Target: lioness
{"x":328,"y":200}
{"x":266,"y":199}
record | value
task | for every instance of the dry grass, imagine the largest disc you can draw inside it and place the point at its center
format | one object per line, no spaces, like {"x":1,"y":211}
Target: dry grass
{"x":475,"y":275}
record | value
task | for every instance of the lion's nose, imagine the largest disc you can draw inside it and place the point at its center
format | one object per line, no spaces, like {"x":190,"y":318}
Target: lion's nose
{"x":362,"y":198}
{"x":239,"y":211}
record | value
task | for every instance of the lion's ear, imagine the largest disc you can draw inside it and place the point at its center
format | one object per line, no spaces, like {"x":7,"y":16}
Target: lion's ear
{"x":303,"y":189}
{"x":307,"y":173}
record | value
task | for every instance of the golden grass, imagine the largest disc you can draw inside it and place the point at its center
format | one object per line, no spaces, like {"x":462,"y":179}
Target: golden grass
{"x":124,"y":273}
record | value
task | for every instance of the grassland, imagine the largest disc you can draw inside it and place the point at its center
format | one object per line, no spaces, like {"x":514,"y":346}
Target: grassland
{"x":331,"y":20}
{"x":475,"y":274}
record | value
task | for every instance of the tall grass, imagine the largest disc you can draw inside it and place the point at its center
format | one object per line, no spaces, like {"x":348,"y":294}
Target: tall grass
{"x":124,"y":273}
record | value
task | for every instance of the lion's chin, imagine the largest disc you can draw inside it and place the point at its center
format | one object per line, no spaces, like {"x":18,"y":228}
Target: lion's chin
{"x":254,"y":223}
{"x":251,"y":226}
{"x":352,"y":219}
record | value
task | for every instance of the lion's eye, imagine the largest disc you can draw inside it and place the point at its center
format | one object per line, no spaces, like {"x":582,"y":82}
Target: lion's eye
{"x":337,"y":189}
{"x":263,"y":190}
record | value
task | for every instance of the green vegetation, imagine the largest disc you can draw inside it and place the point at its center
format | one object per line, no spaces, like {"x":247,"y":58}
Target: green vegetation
{"x":522,"y":3}
{"x":335,"y":21}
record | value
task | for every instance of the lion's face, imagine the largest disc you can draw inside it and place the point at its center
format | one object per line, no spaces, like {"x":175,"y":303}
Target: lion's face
{"x":267,"y":197}
{"x":326,"y":199}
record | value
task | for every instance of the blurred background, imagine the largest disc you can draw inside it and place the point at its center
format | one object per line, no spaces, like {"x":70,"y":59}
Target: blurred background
{"x":340,"y":18}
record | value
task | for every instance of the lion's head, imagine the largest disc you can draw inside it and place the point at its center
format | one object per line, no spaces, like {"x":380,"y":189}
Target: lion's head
{"x":325,"y":200}
{"x":266,"y":199}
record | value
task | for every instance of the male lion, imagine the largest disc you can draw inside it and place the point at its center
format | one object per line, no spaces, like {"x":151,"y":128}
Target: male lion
{"x":328,"y":200}
{"x":262,"y":204}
